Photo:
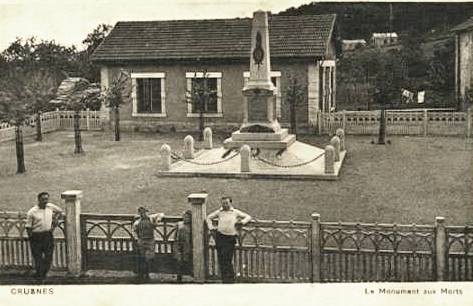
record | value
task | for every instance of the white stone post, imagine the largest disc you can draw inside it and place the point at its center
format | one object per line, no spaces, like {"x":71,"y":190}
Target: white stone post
{"x":329,"y":160}
{"x":208,"y":143}
{"x":73,"y":234}
{"x":189,"y":147}
{"x":426,"y":123}
{"x":316,"y":251}
{"x":245,"y":151}
{"x":341,"y":134}
{"x":335,"y":143}
{"x":440,"y":248}
{"x":198,"y":202}
{"x":165,"y":157}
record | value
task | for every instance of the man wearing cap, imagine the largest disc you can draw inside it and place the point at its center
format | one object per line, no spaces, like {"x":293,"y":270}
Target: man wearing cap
{"x":40,"y":223}
{"x":225,"y":235}
{"x":143,"y":229}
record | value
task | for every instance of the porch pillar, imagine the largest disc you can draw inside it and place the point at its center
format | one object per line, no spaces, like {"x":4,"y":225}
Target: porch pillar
{"x":73,"y":239}
{"x":198,"y":202}
{"x":440,"y":248}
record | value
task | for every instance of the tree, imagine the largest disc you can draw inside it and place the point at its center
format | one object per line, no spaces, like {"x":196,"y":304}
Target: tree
{"x":115,"y":96}
{"x":78,"y":101}
{"x":199,"y":97}
{"x":85,"y":67}
{"x":24,"y":92}
{"x":295,"y":97}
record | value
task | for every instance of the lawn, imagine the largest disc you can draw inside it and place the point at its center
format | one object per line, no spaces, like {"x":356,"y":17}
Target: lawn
{"x":412,"y":180}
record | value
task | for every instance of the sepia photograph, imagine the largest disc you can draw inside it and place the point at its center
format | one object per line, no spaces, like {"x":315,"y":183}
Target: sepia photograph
{"x":192,"y":151}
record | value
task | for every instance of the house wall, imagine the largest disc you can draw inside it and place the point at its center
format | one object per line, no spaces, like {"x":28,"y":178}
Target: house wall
{"x":464,"y":69}
{"x":232,"y":97}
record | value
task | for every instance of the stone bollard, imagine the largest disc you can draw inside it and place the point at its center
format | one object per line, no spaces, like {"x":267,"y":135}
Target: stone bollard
{"x":198,"y":202}
{"x":329,"y":160}
{"x":165,"y":157}
{"x":335,"y":143}
{"x":208,"y":144}
{"x":73,"y":234}
{"x":189,"y":147}
{"x":341,"y":134}
{"x":245,"y":158}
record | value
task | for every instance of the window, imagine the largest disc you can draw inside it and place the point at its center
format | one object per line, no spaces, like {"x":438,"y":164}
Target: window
{"x":204,"y":93}
{"x":148,"y":94}
{"x":276,"y":80}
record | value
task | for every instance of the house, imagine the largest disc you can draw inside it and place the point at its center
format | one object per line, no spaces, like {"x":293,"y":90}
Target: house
{"x":379,"y":40}
{"x":167,"y":58}
{"x":352,"y":44}
{"x":463,"y":59}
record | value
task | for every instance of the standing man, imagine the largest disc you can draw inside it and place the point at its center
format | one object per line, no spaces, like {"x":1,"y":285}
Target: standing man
{"x":183,"y":245}
{"x":225,"y":235}
{"x":143,"y":228}
{"x":40,"y":223}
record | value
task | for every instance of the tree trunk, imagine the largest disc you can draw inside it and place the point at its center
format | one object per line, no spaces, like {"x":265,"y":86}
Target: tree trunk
{"x":201,"y":126}
{"x":39,"y":132}
{"x":20,"y":155}
{"x":117,"y":123}
{"x":382,"y":127}
{"x":77,"y":136}
{"x":293,"y":118}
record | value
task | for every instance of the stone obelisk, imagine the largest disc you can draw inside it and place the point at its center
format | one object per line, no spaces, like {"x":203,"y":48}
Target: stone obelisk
{"x":259,"y":109}
{"x":260,"y":128}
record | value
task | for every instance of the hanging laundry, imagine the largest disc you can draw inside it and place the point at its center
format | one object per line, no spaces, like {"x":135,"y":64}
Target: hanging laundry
{"x":420,"y":96}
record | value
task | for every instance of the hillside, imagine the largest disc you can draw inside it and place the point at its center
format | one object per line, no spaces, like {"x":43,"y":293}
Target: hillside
{"x":359,"y":20}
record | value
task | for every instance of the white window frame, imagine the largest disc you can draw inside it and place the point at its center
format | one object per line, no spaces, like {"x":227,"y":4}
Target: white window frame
{"x":149,"y":75}
{"x":277,"y":90}
{"x":209,"y":75}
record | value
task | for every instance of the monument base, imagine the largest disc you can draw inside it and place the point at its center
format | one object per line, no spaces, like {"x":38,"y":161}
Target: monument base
{"x":271,"y":141}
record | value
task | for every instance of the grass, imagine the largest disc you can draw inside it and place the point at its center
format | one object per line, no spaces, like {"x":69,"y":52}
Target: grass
{"x":413,"y":180}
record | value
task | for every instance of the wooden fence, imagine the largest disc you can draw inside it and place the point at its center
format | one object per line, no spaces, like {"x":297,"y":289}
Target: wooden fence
{"x":107,"y":243}
{"x":15,"y":250}
{"x":417,"y":122}
{"x":53,"y":121}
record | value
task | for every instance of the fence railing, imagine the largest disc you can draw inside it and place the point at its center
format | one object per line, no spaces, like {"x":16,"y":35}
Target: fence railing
{"x":53,"y":121}
{"x":15,"y":249}
{"x":108,"y":243}
{"x":398,"y":122}
{"x":266,"y":251}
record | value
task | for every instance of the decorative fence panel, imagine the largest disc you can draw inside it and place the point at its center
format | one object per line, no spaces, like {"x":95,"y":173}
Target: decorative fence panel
{"x":377,"y":252}
{"x":53,"y":121}
{"x":15,"y":249}
{"x":107,"y":243}
{"x":398,"y":122}
{"x":269,"y":251}
{"x":459,"y":266}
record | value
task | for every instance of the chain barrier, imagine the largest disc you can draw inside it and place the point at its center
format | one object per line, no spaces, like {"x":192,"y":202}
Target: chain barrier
{"x":288,"y":166}
{"x":176,"y":156}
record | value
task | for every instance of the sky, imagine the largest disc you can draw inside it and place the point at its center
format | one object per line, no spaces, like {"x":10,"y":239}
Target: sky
{"x":68,"y":22}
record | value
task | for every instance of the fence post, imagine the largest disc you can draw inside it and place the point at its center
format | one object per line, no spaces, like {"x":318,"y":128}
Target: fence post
{"x":344,"y":120}
{"x":426,"y":122}
{"x":440,"y":248}
{"x":198,"y":203}
{"x":73,"y":234}
{"x":315,"y":249}
{"x":468,"y":122}
{"x":319,"y":122}
{"x":87,"y":113}
{"x":57,"y":119}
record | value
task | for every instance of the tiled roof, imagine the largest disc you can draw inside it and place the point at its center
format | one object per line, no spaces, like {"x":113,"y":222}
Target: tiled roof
{"x":464,"y":25}
{"x":289,"y":36}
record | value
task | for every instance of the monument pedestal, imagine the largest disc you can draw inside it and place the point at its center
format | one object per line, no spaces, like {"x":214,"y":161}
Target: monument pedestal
{"x":270,"y":141}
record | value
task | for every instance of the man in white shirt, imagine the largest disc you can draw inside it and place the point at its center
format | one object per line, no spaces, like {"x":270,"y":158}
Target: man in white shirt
{"x":225,"y":235}
{"x":40,"y":223}
{"x":143,"y":229}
